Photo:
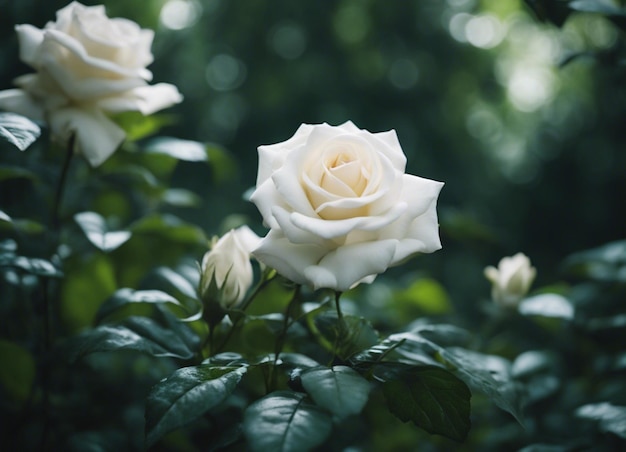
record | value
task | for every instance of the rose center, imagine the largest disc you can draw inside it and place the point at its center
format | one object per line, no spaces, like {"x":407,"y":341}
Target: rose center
{"x":344,"y":175}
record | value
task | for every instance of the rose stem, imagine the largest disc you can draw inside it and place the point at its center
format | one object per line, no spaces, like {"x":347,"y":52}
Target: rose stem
{"x":47,"y":333}
{"x":280,"y":341}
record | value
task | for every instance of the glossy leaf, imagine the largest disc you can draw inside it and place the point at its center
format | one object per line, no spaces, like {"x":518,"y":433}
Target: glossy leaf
{"x":95,"y":228}
{"x":547,"y":305}
{"x":18,"y":130}
{"x":284,"y":421}
{"x":186,"y":395}
{"x":431,"y":398}
{"x":125,"y":296}
{"x":407,"y":348}
{"x":488,"y":374}
{"x":346,"y":338}
{"x":32,"y":265}
{"x":140,"y":334}
{"x":611,"y":418}
{"x":191,"y":151}
{"x":339,"y":389}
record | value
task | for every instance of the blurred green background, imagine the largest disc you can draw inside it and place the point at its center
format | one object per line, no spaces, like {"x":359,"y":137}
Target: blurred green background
{"x":532,"y":153}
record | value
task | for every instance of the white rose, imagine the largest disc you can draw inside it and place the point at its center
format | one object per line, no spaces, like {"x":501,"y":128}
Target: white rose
{"x":226,"y":272}
{"x":340,"y":208}
{"x":512,"y":279}
{"x":87,"y":67}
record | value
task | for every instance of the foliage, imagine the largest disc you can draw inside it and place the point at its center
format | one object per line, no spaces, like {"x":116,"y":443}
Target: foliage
{"x":106,"y":344}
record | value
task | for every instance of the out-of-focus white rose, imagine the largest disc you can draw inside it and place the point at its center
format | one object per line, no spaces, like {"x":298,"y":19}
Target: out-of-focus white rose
{"x":87,"y":66}
{"x":226,"y":272}
{"x":511,"y":280}
{"x":340,"y":208}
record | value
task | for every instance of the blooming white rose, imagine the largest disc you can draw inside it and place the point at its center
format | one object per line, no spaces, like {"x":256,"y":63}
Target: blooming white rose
{"x":340,"y":208}
{"x":511,"y":280}
{"x":226,"y":272}
{"x":87,"y":67}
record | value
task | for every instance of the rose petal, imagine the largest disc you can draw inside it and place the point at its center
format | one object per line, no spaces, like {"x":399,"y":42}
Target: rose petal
{"x":265,"y":197}
{"x":347,"y":265}
{"x":20,"y":102}
{"x":293,"y":233}
{"x":330,"y":229}
{"x":247,"y":239}
{"x":97,"y":137}
{"x":63,"y":43}
{"x":30,"y":38}
{"x":145,"y":99}
{"x":288,"y":259}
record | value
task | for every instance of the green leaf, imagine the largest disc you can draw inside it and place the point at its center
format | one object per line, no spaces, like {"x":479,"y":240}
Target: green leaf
{"x":488,"y":374}
{"x":5,"y":217}
{"x":32,"y":265}
{"x":611,"y":418}
{"x":125,"y":296}
{"x":339,"y":389}
{"x":18,"y":130}
{"x":186,"y":395}
{"x":96,"y":230}
{"x":137,"y":125}
{"x":406,"y":348}
{"x":346,"y":337}
{"x":180,"y":197}
{"x":169,"y":227}
{"x":17,"y":370}
{"x":432,"y":399}
{"x":20,"y":224}
{"x":191,"y":151}
{"x":134,"y":333}
{"x":424,"y":296}
{"x":547,"y":305}
{"x":284,"y":421}
{"x":15,"y":172}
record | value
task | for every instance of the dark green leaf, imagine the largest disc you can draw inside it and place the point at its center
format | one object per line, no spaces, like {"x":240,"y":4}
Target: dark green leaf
{"x":407,"y":348}
{"x":32,"y":265}
{"x":547,"y":305}
{"x":169,"y":227}
{"x":442,"y":334}
{"x":123,"y":297}
{"x":173,"y":280}
{"x":555,"y":11}
{"x":186,"y":395}
{"x":488,"y":374}
{"x":135,"y":333}
{"x":611,"y":418}
{"x":21,"y":132}
{"x":96,"y":230}
{"x":283,"y":421}
{"x":15,"y":172}
{"x":5,"y":217}
{"x":347,"y":337}
{"x":432,"y":399}
{"x":339,"y":389}
{"x":17,"y":370}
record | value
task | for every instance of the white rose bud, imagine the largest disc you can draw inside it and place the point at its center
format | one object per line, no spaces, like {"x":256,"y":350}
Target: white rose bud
{"x":511,"y":280}
{"x":340,"y":207}
{"x":88,"y":66}
{"x":226,"y":271}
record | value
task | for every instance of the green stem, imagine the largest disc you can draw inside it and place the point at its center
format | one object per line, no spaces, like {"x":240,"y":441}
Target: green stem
{"x":338,"y":306}
{"x":260,"y":286}
{"x":282,"y":337}
{"x":46,"y":311}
